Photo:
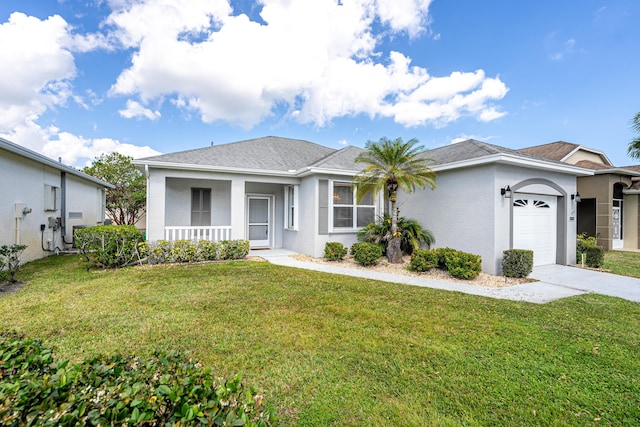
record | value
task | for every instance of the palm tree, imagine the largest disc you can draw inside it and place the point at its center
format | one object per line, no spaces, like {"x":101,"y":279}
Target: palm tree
{"x":393,"y":165}
{"x":634,"y":145}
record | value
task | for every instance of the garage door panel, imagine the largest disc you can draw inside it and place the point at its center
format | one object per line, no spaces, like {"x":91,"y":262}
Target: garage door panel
{"x":535,"y":226}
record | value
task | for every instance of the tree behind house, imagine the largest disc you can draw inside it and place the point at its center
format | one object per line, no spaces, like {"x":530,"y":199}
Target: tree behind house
{"x":126,"y":203}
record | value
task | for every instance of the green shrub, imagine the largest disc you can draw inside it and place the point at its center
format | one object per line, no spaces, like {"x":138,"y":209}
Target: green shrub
{"x":423,"y":260}
{"x":166,"y":389}
{"x":463,"y":265}
{"x":11,"y":260}
{"x":184,"y":251}
{"x":366,"y":253}
{"x":334,"y":251}
{"x":412,"y":235}
{"x":442,"y":255}
{"x":517,"y":262}
{"x":158,"y":252}
{"x":110,"y":246}
{"x":594,"y":256}
{"x":234,"y":249}
{"x":208,"y":250}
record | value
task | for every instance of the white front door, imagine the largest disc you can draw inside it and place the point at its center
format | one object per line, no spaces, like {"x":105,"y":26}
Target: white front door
{"x":259,"y":221}
{"x":535,"y":225}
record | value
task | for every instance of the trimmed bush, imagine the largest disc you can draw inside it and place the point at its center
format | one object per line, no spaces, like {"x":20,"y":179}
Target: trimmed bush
{"x":443,"y":254}
{"x":10,"y":261}
{"x":209,"y":251}
{"x":110,"y":246}
{"x":423,"y":260}
{"x":166,"y":389}
{"x":158,"y":252}
{"x":517,"y":262}
{"x":234,"y":249}
{"x":463,"y":265}
{"x":334,"y":251}
{"x":366,"y":253}
{"x":184,"y":251}
{"x":594,"y":256}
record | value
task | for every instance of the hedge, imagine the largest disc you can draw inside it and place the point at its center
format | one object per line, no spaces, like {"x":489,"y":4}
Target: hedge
{"x":169,"y":388}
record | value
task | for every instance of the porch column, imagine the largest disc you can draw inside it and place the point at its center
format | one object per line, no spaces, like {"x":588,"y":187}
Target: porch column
{"x":238,"y":210}
{"x":156,"y":190}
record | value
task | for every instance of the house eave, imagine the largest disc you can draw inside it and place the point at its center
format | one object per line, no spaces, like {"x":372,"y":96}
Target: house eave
{"x":591,"y":150}
{"x":616,"y":171}
{"x":509,"y":159}
{"x":218,"y":169}
{"x":39,"y":158}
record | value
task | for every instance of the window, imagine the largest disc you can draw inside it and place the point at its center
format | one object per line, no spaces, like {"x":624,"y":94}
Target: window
{"x":51,"y":197}
{"x":201,"y":206}
{"x":347,"y":214}
{"x":291,"y":207}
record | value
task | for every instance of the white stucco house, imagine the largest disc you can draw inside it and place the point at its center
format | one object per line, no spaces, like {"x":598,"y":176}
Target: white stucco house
{"x":294,"y":194}
{"x":43,"y":200}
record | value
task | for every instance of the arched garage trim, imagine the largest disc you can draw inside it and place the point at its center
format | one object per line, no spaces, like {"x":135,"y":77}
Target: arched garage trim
{"x":561,"y":214}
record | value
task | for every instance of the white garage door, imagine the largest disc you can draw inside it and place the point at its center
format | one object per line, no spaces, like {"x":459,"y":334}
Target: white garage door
{"x":535,"y":226}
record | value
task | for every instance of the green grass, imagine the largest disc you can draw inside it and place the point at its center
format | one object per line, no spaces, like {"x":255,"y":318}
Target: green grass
{"x":330,"y":350}
{"x":624,"y":263}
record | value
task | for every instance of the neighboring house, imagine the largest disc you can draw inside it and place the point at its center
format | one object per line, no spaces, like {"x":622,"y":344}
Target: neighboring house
{"x":43,"y":201}
{"x":609,"y":200}
{"x":297,"y":195}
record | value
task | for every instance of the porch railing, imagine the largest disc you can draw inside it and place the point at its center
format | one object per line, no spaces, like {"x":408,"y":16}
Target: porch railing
{"x":196,"y":233}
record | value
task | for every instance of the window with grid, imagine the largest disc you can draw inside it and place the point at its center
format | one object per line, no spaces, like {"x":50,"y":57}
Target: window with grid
{"x":347,"y":213}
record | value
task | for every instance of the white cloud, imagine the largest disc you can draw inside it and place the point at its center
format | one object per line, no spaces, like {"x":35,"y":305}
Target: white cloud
{"x":318,"y":58}
{"x":136,"y":110}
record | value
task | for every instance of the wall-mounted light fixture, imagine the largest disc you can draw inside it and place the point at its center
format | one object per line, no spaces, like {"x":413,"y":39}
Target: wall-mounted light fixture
{"x":506,"y":192}
{"x":576,"y":197}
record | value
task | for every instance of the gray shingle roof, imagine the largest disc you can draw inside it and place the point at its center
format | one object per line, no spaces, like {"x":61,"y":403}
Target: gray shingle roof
{"x":342,"y":159}
{"x":473,"y":149}
{"x":268,"y":153}
{"x":555,"y":150}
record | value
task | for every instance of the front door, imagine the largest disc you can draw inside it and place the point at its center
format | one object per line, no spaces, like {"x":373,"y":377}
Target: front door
{"x":259,"y":223}
{"x":616,"y":219}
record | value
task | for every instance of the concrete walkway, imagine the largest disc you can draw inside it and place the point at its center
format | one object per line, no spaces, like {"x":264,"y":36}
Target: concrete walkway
{"x":555,"y":281}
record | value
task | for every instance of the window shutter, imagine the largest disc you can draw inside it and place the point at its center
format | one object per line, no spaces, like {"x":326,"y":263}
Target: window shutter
{"x":323,"y":207}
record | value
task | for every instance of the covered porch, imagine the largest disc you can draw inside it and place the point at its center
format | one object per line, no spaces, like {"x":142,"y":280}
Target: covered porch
{"x":223,"y":207}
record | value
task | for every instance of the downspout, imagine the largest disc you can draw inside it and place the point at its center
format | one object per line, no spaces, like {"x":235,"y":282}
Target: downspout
{"x":63,"y":207}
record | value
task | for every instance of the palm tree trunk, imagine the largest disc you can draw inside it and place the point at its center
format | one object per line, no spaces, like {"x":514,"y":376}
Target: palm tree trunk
{"x":394,"y":252}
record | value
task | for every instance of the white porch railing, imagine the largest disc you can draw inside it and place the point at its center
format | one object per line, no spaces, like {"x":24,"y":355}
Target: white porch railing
{"x":196,"y":233}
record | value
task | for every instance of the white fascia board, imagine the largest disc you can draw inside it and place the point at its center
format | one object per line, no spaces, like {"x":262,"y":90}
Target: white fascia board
{"x":207,"y":168}
{"x":37,"y":157}
{"x":630,"y":191}
{"x":617,"y":171}
{"x":323,"y":171}
{"x":509,"y":159}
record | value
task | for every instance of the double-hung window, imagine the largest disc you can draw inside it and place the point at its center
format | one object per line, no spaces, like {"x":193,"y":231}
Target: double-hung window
{"x":291,"y":207}
{"x":347,"y":213}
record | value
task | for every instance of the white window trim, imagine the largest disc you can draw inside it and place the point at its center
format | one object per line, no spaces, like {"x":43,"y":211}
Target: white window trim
{"x":51,"y":198}
{"x":294,"y":205}
{"x":355,"y":228}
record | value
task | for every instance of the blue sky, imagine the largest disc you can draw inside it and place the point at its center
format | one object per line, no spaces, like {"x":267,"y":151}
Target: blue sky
{"x":147,"y":76}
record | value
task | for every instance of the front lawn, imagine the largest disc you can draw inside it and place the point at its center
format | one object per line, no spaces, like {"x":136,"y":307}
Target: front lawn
{"x":335,"y":350}
{"x":623,"y":262}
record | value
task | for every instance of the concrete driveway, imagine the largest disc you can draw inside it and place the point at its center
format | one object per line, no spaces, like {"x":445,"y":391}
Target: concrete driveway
{"x":589,"y":281}
{"x":554,"y":281}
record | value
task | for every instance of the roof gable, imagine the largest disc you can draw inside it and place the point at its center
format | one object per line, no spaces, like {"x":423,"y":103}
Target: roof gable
{"x":569,"y":153}
{"x":267,"y":153}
